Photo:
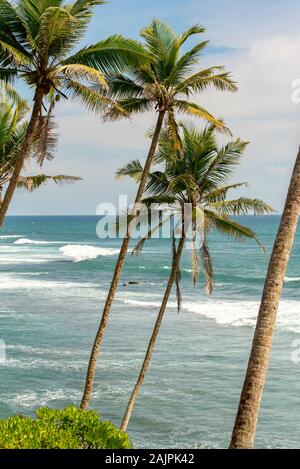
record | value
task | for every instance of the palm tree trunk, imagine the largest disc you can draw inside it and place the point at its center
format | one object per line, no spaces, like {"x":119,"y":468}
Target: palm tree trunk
{"x":23,"y":153}
{"x":152,"y":341}
{"x":115,"y":281}
{"x":247,"y":416}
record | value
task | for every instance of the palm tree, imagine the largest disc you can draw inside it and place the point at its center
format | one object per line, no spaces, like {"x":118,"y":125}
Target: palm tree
{"x":197,"y":180}
{"x":165,"y":85}
{"x":247,"y":416}
{"x":13,"y":127}
{"x":37,"y":38}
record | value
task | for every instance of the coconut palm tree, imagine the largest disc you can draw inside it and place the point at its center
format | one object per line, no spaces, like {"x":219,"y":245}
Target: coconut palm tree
{"x":194,"y":188}
{"x":164,"y":85}
{"x":243,"y":434}
{"x":37,"y":39}
{"x":13,"y":127}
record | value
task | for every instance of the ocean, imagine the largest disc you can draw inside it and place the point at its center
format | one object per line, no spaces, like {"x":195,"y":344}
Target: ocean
{"x":55,"y":273}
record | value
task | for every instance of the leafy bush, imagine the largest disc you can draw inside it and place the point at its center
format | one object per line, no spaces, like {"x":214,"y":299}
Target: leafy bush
{"x":70,"y":428}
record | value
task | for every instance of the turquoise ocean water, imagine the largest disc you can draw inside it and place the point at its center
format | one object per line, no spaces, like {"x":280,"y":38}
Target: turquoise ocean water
{"x":54,"y":273}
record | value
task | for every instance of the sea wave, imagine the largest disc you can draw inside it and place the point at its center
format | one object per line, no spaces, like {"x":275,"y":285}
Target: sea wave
{"x":233,"y":313}
{"x":17,"y":282}
{"x":292,"y":279}
{"x":84,"y":252}
{"x":244,"y":313}
{"x":23,"y":241}
{"x":9,"y":236}
{"x":31,"y":399}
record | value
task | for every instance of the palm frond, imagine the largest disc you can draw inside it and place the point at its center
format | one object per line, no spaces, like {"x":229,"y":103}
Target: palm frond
{"x":242,"y":206}
{"x":186,"y":64}
{"x":125,"y":108}
{"x":196,"y":29}
{"x":8,"y":75}
{"x":225,"y":161}
{"x":204,"y":79}
{"x":178,"y":276}
{"x":91,"y":98}
{"x":134,"y":169}
{"x":207,"y":267}
{"x":195,"y":261}
{"x":230,"y":227}
{"x":31,"y":183}
{"x":45,"y":139}
{"x":123,"y":87}
{"x":14,"y":56}
{"x":194,"y":110}
{"x":82,"y":72}
{"x":113,"y":55}
{"x":219,"y":194}
{"x":57,"y":32}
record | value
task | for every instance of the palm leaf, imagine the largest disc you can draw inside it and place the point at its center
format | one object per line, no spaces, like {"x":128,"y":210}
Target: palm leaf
{"x":91,"y":98}
{"x":82,"y":72}
{"x":112,"y":55}
{"x":45,"y":139}
{"x":31,"y":183}
{"x":207,"y":267}
{"x":177,"y":277}
{"x":194,"y":110}
{"x":134,"y":169}
{"x":242,"y":206}
{"x":196,"y":29}
{"x":230,"y":227}
{"x":219,"y":194}
{"x":57,"y":32}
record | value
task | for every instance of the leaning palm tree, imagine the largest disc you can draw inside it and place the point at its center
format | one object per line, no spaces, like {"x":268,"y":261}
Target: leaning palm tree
{"x":243,"y":434}
{"x":37,"y":38}
{"x":13,"y":127}
{"x":164,"y":85}
{"x":194,"y":188}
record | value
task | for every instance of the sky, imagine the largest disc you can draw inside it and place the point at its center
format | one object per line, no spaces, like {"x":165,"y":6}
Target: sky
{"x":258,"y":41}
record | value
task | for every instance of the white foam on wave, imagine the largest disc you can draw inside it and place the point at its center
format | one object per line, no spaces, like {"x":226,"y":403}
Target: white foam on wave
{"x":24,"y":241}
{"x":234,"y":313}
{"x":9,"y":236}
{"x":84,"y":252}
{"x":29,"y":398}
{"x":37,"y":362}
{"x":16,"y":282}
{"x":244,"y":313}
{"x":27,"y":349}
{"x":292,"y":279}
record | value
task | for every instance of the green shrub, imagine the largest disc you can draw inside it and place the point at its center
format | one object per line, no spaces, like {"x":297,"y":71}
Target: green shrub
{"x":70,"y":428}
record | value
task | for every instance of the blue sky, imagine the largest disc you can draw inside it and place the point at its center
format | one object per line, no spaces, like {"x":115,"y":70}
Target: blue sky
{"x":258,"y":41}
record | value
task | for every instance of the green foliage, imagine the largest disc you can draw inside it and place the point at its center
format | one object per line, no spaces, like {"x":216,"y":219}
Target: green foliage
{"x":70,"y":428}
{"x":198,"y":174}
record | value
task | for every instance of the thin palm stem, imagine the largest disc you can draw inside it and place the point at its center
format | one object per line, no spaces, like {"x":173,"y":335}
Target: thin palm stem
{"x":153,"y":338}
{"x":115,"y":281}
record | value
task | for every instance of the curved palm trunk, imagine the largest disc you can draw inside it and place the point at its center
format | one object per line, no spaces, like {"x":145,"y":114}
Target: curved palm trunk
{"x":23,"y":153}
{"x":115,"y":281}
{"x":154,"y":335}
{"x":247,"y":416}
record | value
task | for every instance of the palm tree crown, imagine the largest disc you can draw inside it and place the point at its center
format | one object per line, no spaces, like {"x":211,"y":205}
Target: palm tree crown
{"x":37,"y":38}
{"x":200,"y":179}
{"x":169,"y":79}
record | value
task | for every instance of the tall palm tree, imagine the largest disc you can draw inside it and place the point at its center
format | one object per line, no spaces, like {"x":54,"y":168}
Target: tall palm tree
{"x":13,"y":127}
{"x":248,"y":411}
{"x":37,"y":38}
{"x":199,"y":180}
{"x":165,"y":85}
